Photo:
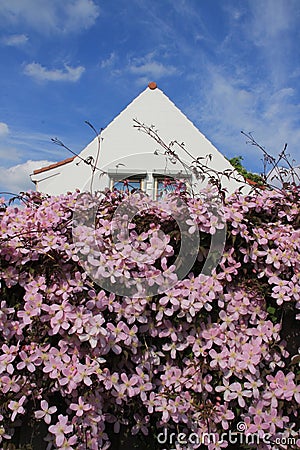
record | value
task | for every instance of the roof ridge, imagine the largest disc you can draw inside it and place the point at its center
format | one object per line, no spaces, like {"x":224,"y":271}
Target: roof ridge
{"x":53,"y":166}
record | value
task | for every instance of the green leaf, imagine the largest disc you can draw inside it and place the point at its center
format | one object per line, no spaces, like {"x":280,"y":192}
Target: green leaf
{"x":271,"y":310}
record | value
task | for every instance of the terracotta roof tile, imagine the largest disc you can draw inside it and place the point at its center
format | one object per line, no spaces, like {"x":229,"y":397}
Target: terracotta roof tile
{"x":53,"y":166}
{"x":254,"y":183}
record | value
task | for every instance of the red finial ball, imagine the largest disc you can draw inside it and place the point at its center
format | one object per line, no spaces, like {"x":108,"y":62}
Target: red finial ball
{"x":152,"y":85}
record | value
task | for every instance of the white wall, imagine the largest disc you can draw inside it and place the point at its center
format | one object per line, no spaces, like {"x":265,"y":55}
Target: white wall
{"x":122,"y":143}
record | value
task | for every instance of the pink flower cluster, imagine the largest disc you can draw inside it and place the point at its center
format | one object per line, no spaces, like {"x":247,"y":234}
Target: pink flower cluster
{"x":198,"y":357}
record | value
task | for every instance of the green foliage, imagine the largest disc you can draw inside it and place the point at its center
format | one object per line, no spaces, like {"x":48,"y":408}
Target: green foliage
{"x":236,"y":162}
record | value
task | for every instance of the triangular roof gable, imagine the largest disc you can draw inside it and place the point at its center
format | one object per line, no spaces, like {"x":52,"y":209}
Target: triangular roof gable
{"x":153,"y":107}
{"x":120,"y":139}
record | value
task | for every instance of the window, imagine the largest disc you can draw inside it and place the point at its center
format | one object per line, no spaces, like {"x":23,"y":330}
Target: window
{"x":165,"y":185}
{"x":127,"y":184}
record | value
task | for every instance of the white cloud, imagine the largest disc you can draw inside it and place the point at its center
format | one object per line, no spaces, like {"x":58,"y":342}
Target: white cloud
{"x":80,"y":14}
{"x":17,"y":178}
{"x":148,"y":66}
{"x":50,"y":16}
{"x":109,"y":62}
{"x":9,"y":153}
{"x":4,"y":130}
{"x":248,"y":83}
{"x":273,"y":29}
{"x":153,"y":68}
{"x":225,"y":107}
{"x":15,"y":40}
{"x":41,"y":73}
{"x":20,"y":144}
{"x":270,"y":19}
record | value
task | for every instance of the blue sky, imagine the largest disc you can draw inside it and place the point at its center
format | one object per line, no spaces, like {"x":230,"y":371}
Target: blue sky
{"x":229,"y":65}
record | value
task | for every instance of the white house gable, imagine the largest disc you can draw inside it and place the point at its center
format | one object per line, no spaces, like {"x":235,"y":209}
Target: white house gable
{"x":124,"y":151}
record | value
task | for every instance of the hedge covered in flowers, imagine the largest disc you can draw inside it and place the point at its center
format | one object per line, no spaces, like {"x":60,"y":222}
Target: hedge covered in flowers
{"x":85,"y":368}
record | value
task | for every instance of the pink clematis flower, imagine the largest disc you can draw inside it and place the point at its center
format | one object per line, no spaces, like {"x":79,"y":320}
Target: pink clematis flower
{"x":45,"y":412}
{"x":60,"y":429}
{"x":80,"y":407}
{"x":17,"y":407}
